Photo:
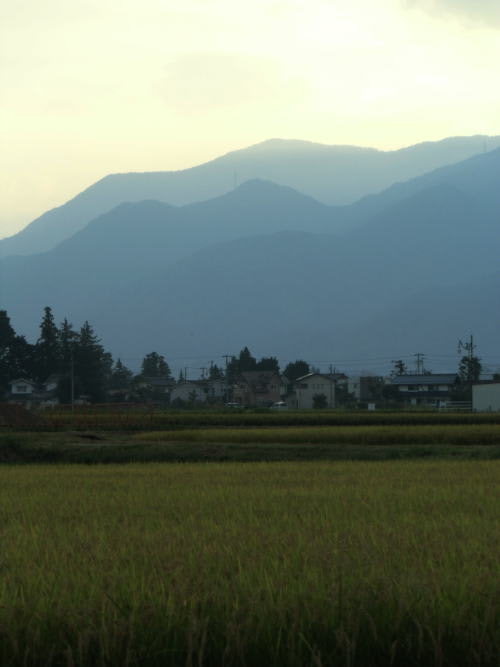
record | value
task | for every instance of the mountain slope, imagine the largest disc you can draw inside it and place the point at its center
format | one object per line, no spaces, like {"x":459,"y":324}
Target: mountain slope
{"x":433,"y":320}
{"x":224,"y":273}
{"x":137,"y":239}
{"x":332,"y":174}
{"x":477,"y":177}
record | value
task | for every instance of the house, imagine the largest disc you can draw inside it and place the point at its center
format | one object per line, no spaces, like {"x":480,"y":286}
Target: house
{"x":30,"y":394}
{"x":365,"y":387}
{"x":216,"y":390}
{"x":432,"y":389}
{"x":193,"y":391}
{"x":22,"y":388}
{"x":486,"y":397}
{"x":148,"y":388}
{"x":258,"y":388}
{"x":51,"y":384}
{"x":309,"y":388}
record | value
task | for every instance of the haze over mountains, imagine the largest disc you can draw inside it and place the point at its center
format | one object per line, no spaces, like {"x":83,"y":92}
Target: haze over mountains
{"x":413,"y":268}
{"x":335,"y":175}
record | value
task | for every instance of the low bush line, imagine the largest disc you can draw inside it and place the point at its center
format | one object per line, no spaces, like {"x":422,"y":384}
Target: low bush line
{"x":485,"y":434}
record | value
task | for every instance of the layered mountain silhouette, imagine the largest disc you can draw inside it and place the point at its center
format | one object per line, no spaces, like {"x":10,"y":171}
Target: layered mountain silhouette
{"x":334,"y":175}
{"x":268,"y":267}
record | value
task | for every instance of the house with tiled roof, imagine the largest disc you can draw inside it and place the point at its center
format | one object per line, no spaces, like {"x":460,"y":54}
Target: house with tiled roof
{"x":431,"y":389}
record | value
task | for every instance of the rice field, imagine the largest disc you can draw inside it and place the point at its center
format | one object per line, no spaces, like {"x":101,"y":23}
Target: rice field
{"x":466,"y":434}
{"x":152,"y":419}
{"x":322,"y":564}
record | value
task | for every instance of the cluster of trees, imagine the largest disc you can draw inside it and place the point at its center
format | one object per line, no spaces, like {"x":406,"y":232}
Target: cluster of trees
{"x":469,"y":369}
{"x":83,"y":366}
{"x":77,"y":357}
{"x":246,"y":362}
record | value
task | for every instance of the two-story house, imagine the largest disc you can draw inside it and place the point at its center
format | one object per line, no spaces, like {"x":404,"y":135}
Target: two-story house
{"x":432,"y":389}
{"x":314,"y":389}
{"x":258,"y":388}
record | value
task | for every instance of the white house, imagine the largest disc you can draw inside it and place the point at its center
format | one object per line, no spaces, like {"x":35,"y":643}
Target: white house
{"x":22,"y":388}
{"x":431,"y":389}
{"x":365,"y":387}
{"x":311,"y":385}
{"x":486,"y":397}
{"x":190,"y":390}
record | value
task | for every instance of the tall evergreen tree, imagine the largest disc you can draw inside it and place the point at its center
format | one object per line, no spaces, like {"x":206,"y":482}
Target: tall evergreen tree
{"x":155,"y":366}
{"x":296,"y":369}
{"x":268,"y":364}
{"x":7,"y":338}
{"x":47,"y":359}
{"x":67,"y":339}
{"x":92,"y":364}
{"x":241,"y":364}
{"x":399,"y":367}
{"x":16,"y":354}
{"x":215,"y":373}
{"x":121,"y":376}
{"x":7,"y":333}
{"x":69,"y":385}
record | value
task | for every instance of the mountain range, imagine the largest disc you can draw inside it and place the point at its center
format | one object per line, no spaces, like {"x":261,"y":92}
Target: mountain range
{"x":334,"y":175}
{"x":412,"y":268}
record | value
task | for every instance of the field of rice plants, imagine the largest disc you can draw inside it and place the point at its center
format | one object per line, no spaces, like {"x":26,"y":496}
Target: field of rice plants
{"x":143,"y":419}
{"x":466,"y":434}
{"x":258,"y":564}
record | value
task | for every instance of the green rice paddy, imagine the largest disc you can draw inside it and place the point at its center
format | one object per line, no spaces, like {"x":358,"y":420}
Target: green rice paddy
{"x":256,"y":564}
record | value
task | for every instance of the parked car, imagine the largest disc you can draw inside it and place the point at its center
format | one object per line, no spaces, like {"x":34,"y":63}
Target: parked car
{"x":279,"y":405}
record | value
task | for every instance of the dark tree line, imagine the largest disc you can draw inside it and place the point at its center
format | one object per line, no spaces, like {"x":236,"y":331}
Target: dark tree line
{"x":76,"y":357}
{"x":247,"y":362}
{"x":83,"y":368}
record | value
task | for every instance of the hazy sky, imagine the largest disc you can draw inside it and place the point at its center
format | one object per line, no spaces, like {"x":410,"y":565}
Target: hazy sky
{"x":90,"y":87}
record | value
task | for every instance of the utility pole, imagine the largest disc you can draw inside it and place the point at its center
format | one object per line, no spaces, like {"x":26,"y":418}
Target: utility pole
{"x":420,"y":362}
{"x":72,"y":375}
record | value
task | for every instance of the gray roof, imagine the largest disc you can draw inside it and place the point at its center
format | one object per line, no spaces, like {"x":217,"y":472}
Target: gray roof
{"x":23,"y":380}
{"x":328,"y":376}
{"x":432,"y":378}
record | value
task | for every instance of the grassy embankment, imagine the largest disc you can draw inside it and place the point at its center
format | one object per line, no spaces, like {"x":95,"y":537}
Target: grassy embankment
{"x":359,"y":564}
{"x":264,"y":436}
{"x":139,"y":420}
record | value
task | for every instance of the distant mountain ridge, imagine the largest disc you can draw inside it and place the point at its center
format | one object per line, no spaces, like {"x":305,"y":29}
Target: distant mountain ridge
{"x":269,"y":267}
{"x":334,"y":175}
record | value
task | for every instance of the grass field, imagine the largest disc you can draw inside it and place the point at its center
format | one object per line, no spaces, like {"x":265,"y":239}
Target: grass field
{"x":355,"y":564}
{"x":143,"y":419}
{"x":363,"y":442}
{"x":453,"y":434}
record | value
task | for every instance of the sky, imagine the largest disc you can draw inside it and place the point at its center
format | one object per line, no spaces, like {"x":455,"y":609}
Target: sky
{"x":91,"y":87}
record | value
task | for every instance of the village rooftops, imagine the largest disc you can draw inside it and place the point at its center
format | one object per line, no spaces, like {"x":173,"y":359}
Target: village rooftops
{"x":23,"y":381}
{"x":158,"y":381}
{"x":428,"y":379}
{"x":333,"y":377}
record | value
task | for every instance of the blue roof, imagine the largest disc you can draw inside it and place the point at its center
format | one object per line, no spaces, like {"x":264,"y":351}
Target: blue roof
{"x":431,"y":378}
